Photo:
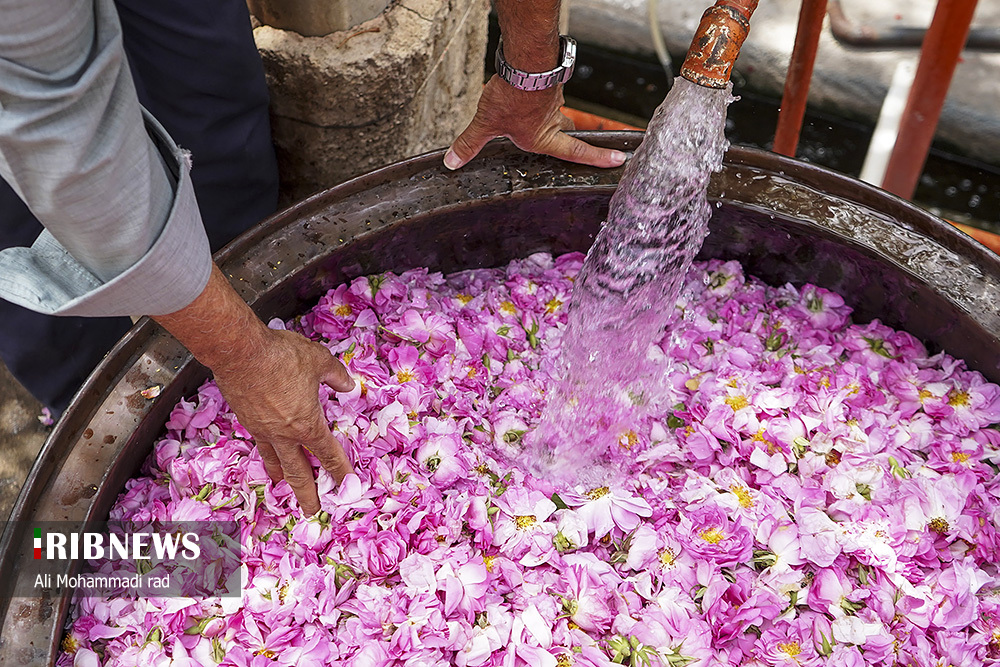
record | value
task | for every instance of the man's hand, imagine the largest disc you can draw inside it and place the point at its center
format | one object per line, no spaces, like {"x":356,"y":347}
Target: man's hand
{"x":271,"y":380}
{"x":532,"y":120}
{"x":275,"y":397}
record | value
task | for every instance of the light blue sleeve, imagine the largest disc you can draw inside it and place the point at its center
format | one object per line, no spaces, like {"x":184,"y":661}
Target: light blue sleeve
{"x":123,"y":232}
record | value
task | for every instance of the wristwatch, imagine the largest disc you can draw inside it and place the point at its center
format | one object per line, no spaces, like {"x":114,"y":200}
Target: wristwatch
{"x":541,"y":80}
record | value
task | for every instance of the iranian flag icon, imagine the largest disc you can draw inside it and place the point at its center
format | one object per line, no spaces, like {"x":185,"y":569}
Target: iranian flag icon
{"x":38,"y":543}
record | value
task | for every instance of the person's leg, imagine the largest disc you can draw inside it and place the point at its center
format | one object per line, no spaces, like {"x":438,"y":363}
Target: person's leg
{"x":198,"y":71}
{"x":50,"y":356}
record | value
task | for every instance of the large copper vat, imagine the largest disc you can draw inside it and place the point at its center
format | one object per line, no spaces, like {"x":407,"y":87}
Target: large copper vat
{"x":786,"y":221}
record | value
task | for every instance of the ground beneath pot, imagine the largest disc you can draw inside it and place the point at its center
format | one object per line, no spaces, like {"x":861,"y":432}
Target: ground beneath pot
{"x":21,"y":436}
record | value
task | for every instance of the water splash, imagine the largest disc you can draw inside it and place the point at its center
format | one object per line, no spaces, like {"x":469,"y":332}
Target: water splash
{"x":610,"y":376}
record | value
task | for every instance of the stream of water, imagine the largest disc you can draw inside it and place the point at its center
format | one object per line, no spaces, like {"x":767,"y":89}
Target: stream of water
{"x":610,"y":376}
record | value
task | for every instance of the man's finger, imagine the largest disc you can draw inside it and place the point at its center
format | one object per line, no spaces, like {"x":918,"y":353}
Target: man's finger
{"x":272,"y":464}
{"x":299,"y":475}
{"x":468,"y":144}
{"x":331,"y":455}
{"x":569,"y":148}
{"x":333,"y":373}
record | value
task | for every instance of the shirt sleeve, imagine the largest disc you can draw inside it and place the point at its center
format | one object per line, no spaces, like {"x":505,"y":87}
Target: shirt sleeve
{"x":123,"y":232}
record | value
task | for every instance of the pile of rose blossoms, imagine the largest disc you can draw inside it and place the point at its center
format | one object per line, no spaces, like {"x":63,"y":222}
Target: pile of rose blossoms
{"x":818,"y":493}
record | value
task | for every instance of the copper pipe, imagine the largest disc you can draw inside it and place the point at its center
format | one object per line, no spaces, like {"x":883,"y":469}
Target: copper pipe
{"x":938,"y":58}
{"x":800,"y":69}
{"x":717,"y":42}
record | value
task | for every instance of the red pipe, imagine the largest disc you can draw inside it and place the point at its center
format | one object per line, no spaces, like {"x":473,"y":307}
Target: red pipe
{"x":938,"y":58}
{"x":800,"y":69}
{"x":716,"y":44}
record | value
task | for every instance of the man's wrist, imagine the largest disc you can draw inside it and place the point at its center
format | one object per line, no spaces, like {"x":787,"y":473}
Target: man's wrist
{"x":543,"y":80}
{"x":234,"y":353}
{"x":540,"y":56}
{"x":218,"y":327}
{"x":530,"y":29}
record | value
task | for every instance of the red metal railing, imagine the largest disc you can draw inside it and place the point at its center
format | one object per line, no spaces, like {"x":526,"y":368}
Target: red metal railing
{"x":800,"y":69}
{"x":938,"y":57}
{"x":942,"y":47}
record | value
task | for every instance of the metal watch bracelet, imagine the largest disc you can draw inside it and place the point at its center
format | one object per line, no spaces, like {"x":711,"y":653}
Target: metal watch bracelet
{"x":541,"y":80}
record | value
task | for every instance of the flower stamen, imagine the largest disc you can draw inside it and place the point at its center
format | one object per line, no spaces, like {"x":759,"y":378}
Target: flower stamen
{"x":958,"y":398}
{"x":746,"y":500}
{"x":712,"y":536}
{"x":939,"y":525}
{"x":737,"y":402}
{"x":599,"y":492}
{"x":525,"y":521}
{"x":628,"y":440}
{"x":791,"y":648}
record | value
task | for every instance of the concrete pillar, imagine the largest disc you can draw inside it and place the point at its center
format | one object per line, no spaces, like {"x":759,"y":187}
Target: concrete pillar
{"x":400,"y":84}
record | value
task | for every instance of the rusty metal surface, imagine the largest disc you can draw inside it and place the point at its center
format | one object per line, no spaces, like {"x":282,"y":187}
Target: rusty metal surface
{"x":800,"y":69}
{"x":787,"y":221}
{"x":939,"y":56}
{"x":716,"y":44}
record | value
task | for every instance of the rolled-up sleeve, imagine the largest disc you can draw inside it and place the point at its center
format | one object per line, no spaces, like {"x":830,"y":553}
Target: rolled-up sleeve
{"x":123,"y":232}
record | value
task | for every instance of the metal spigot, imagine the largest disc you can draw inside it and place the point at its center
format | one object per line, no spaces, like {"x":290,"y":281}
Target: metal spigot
{"x":717,"y":42}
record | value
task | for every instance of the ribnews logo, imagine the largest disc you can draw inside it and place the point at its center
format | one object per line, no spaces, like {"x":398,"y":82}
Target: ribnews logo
{"x":165,"y":559}
{"x":137,"y":546}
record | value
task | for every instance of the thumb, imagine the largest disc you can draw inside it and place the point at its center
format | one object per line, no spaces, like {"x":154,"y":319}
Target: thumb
{"x":468,"y":144}
{"x":333,"y":373}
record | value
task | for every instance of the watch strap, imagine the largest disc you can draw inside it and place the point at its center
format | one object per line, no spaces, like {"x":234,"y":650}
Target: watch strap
{"x":539,"y":80}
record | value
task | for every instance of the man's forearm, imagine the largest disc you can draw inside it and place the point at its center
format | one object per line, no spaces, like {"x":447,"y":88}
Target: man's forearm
{"x":530,"y":30}
{"x":112,"y":189}
{"x":218,"y":327}
{"x":72,"y":143}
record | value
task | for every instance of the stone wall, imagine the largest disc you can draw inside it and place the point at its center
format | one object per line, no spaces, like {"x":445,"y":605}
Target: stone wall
{"x":398,"y":85}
